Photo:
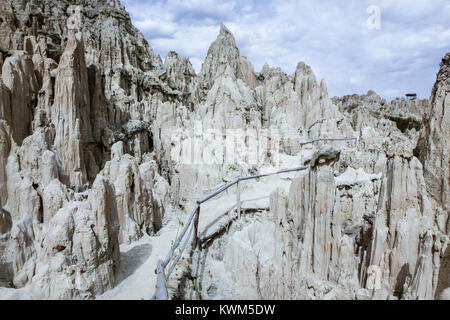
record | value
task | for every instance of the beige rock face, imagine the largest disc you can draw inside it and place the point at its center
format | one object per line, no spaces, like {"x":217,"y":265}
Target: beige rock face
{"x":94,"y":128}
{"x":360,"y":221}
{"x":5,"y":102}
{"x":180,"y":73}
{"x":80,"y":254}
{"x":435,"y":138}
{"x":70,"y":114}
{"x":19,"y":77}
{"x":432,"y":150}
{"x":223,"y":53}
{"x":138,"y":210}
{"x":63,"y":103}
{"x":5,"y":147}
{"x":336,"y":236}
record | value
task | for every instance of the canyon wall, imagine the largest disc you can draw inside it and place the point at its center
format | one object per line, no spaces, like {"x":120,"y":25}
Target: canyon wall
{"x":94,"y":129}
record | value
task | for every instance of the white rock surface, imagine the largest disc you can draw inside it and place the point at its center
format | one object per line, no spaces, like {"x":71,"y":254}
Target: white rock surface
{"x":94,"y":128}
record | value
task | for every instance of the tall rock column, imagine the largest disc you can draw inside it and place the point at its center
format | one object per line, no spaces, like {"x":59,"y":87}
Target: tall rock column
{"x":5,"y":103}
{"x":5,"y":147}
{"x":70,"y":113}
{"x":434,"y":141}
{"x":19,"y":77}
{"x":432,"y":149}
{"x":224,"y":53}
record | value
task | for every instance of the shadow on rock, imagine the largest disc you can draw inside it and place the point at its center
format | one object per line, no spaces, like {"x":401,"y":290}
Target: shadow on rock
{"x":444,"y":274}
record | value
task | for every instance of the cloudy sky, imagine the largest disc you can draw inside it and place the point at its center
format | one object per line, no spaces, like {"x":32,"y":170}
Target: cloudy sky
{"x":341,"y":40}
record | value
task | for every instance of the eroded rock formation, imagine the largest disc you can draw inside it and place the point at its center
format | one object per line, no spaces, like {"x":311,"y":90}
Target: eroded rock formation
{"x":96,"y":130}
{"x":64,"y":102}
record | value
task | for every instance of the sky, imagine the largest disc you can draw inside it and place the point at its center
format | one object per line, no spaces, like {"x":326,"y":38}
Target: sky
{"x":390,"y":46}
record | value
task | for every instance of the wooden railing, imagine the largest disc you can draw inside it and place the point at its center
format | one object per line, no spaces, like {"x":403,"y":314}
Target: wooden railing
{"x":192,"y":224}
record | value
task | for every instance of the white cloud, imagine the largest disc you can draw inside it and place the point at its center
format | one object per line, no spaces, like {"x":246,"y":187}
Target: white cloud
{"x":329,"y":35}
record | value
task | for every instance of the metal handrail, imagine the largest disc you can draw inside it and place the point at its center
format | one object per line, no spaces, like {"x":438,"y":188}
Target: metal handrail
{"x":161,"y":288}
{"x":327,"y":139}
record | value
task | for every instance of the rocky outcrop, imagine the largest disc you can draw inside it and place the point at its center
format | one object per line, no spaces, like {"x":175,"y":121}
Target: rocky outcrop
{"x":13,"y":294}
{"x":39,"y":208}
{"x":66,"y":96}
{"x":180,"y":73}
{"x":100,"y":140}
{"x":435,"y":139}
{"x":5,"y":147}
{"x":406,"y":115}
{"x":80,"y":251}
{"x":19,"y":78}
{"x":432,"y":150}
{"x":349,"y":235}
{"x":222,"y":54}
{"x":360,"y":224}
{"x":140,"y":208}
{"x":70,"y":113}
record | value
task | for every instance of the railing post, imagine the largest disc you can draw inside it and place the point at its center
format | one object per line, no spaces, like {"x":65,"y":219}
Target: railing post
{"x":238,"y":199}
{"x":161,"y":289}
{"x":197,"y":216}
